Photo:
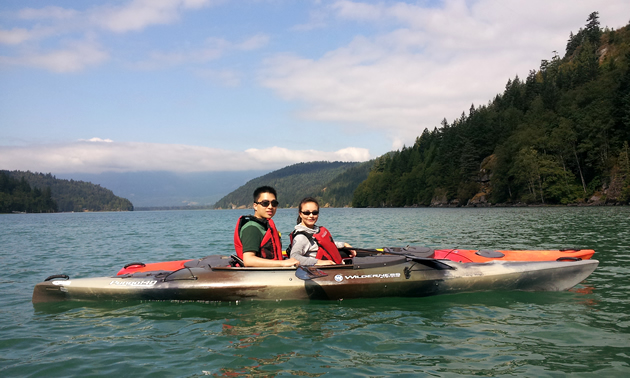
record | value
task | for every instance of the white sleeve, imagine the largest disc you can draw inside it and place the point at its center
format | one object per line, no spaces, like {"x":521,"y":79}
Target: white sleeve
{"x":299,"y":249}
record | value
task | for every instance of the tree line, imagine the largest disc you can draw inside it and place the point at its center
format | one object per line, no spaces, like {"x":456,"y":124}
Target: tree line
{"x":18,"y":196}
{"x":558,"y":137}
{"x":69,"y":195}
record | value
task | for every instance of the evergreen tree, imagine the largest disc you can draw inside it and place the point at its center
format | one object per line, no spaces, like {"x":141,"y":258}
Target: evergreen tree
{"x":593,"y":32}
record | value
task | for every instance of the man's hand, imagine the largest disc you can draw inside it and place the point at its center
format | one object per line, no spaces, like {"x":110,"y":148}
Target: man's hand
{"x":351,"y":252}
{"x":250,"y":259}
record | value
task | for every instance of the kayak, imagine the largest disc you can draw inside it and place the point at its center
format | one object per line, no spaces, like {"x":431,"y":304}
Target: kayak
{"x":391,"y":274}
{"x":458,"y":255}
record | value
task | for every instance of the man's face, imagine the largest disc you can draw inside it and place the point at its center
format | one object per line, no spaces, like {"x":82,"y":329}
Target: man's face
{"x":265,"y":212}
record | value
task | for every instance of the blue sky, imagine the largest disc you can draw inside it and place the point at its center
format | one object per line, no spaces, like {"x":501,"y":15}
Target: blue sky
{"x":211,"y":85}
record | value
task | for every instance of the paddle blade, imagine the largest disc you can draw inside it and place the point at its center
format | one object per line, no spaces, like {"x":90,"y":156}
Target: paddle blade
{"x":309,"y":272}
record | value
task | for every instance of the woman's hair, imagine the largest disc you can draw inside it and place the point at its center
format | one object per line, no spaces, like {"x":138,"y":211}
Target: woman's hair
{"x":305,"y":200}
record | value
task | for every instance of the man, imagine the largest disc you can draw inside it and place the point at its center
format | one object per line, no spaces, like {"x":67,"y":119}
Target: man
{"x":256,"y":238}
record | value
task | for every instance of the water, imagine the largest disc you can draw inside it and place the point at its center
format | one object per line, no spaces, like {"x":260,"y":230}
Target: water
{"x":582,"y":332}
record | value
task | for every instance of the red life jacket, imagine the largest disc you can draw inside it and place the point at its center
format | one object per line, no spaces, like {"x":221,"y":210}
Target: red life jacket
{"x":327,"y":249}
{"x":270,"y":246}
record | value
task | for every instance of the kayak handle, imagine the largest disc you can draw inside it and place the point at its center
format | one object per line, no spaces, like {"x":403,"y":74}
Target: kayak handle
{"x":64,"y":276}
{"x":569,"y":258}
{"x":134,"y":264}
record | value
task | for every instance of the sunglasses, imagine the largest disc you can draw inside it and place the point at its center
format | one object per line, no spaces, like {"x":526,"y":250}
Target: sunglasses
{"x":307,"y":213}
{"x":266,"y":203}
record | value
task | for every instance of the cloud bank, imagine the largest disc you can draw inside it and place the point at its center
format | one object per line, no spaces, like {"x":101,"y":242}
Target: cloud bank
{"x":78,"y":30}
{"x":104,"y":155}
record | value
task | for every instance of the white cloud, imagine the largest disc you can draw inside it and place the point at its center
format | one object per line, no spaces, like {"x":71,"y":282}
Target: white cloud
{"x":281,"y":156}
{"x":47,"y":13}
{"x":129,"y":16}
{"x":103,"y":155}
{"x":226,"y":78}
{"x":135,"y":15}
{"x":317,"y":20}
{"x":358,"y":11}
{"x":212,"y":49}
{"x":254,"y":43}
{"x":426,"y":63}
{"x":74,"y":56}
{"x":15,"y":36}
{"x":138,"y":14}
{"x":96,"y":140}
{"x":159,"y":59}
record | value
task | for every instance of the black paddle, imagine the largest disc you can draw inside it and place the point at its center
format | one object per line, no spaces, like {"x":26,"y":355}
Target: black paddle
{"x":430,"y":262}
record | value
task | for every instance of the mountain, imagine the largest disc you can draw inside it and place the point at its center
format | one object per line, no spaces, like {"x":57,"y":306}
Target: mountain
{"x":558,"y":137}
{"x":331,"y":182}
{"x":71,"y":195}
{"x":169,"y":189}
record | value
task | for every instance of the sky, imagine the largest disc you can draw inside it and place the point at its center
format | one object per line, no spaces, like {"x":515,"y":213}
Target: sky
{"x":217,"y":85}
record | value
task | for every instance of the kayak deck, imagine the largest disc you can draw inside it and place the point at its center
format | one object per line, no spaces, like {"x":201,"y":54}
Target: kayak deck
{"x":481,"y":256}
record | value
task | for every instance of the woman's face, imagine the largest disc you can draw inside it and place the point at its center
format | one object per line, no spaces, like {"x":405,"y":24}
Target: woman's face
{"x":310,"y":219}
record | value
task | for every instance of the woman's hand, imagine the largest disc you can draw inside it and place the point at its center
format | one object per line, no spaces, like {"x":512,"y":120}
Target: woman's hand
{"x":325,"y":262}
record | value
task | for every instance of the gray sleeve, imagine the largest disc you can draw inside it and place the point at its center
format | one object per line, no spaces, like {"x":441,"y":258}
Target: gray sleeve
{"x":299,"y":249}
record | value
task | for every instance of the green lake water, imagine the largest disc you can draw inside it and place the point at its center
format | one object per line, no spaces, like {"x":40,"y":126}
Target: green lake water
{"x":584,"y":332}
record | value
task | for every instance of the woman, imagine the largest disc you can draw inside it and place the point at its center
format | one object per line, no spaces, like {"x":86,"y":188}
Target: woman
{"x":312,"y":244}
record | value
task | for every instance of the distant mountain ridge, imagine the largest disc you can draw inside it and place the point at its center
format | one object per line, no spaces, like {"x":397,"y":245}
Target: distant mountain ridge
{"x":169,"y":190}
{"x":332,"y":183}
{"x":71,"y":195}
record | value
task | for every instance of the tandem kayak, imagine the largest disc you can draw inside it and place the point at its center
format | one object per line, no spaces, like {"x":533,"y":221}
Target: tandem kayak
{"x":395,"y":274}
{"x":458,"y":255}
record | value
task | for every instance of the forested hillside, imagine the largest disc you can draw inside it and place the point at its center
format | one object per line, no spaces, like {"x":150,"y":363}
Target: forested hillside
{"x":331,"y":182}
{"x":558,"y":137}
{"x":339,"y":191}
{"x":17,"y":196}
{"x":73,"y":195}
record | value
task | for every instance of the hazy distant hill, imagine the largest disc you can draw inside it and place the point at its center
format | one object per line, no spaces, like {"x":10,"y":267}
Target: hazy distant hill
{"x":73,"y":195}
{"x":169,"y":189}
{"x":331,"y":182}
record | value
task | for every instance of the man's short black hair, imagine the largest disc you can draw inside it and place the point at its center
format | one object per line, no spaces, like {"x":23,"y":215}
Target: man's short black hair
{"x":264,"y":189}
